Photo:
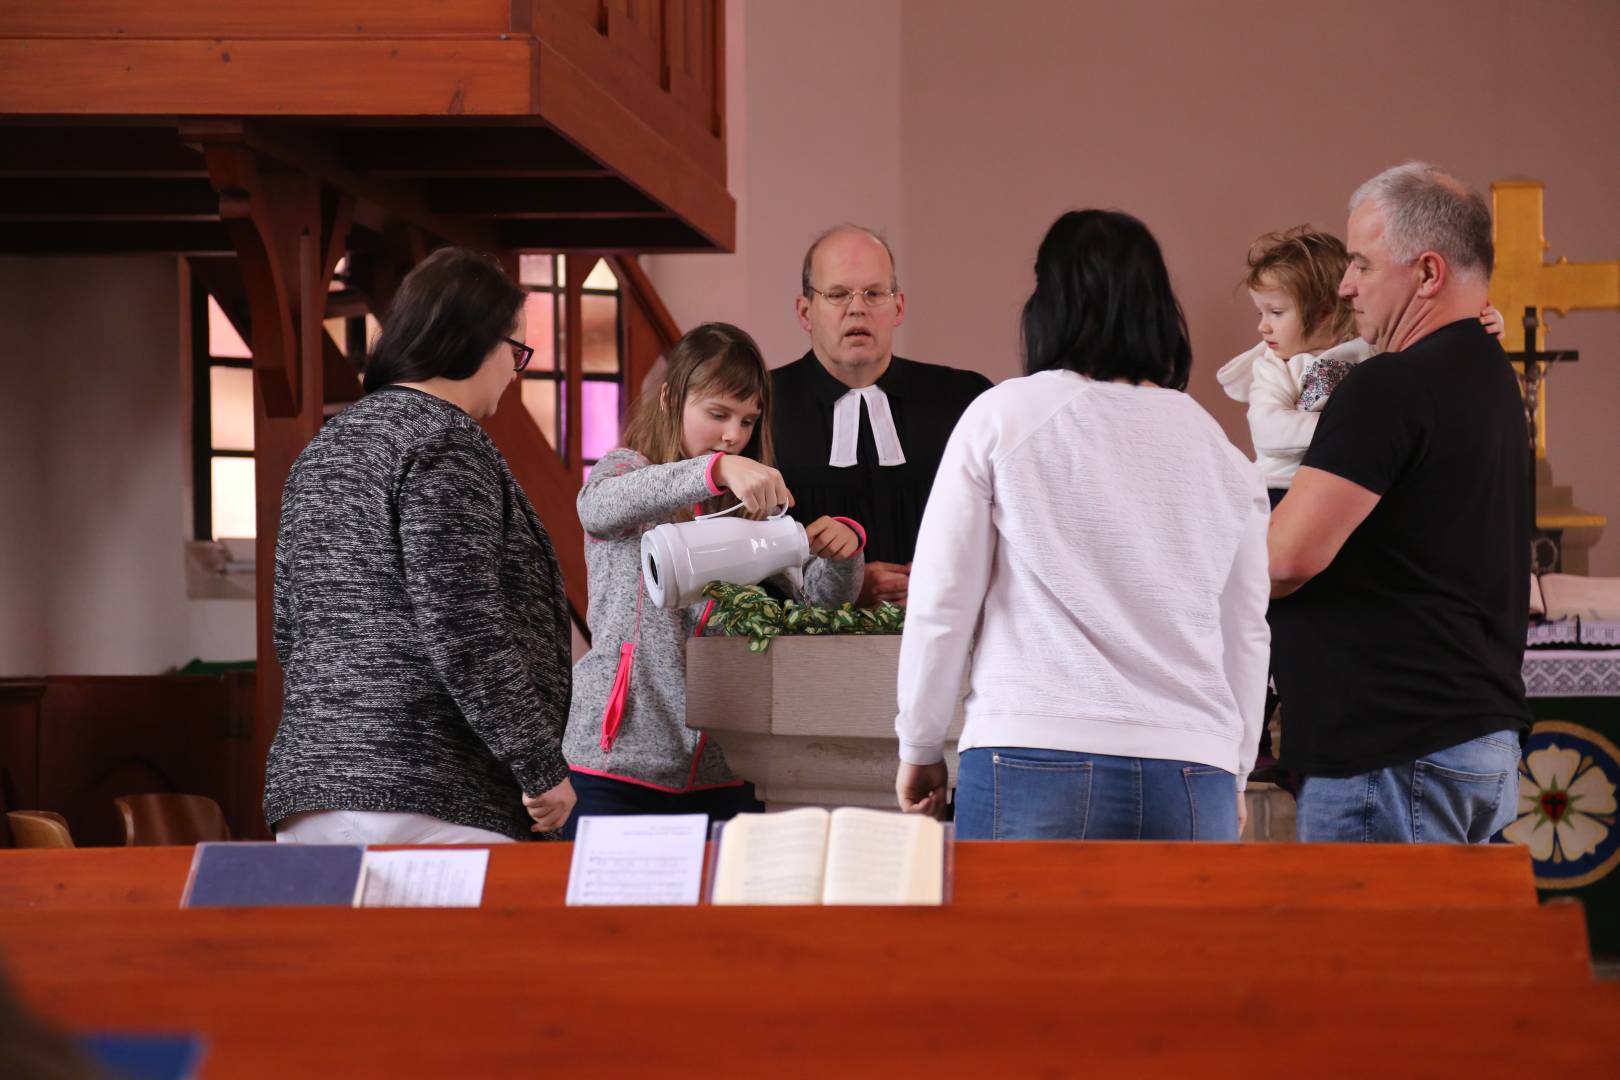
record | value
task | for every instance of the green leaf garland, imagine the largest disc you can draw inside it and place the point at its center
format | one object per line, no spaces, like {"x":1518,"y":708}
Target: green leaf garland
{"x":749,"y":611}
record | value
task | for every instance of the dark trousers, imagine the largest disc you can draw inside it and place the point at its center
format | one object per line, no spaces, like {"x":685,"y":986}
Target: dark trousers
{"x":600,"y":796}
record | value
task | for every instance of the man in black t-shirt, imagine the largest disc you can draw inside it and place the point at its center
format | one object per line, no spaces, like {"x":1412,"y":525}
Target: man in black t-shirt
{"x":858,"y":431}
{"x":1402,"y":548}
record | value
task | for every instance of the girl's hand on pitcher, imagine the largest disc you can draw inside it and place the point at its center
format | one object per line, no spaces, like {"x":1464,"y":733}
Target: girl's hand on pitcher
{"x":759,"y":488}
{"x":831,"y":539}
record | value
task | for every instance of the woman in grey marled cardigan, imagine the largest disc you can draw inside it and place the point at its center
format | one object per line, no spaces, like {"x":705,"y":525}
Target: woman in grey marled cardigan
{"x":706,"y":439}
{"x":419,"y":611}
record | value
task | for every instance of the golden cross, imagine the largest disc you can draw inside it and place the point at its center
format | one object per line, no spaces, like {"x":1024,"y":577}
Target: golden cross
{"x":1523,"y":280}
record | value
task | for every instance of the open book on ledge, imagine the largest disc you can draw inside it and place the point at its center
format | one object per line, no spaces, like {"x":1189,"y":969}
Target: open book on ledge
{"x":846,"y":856}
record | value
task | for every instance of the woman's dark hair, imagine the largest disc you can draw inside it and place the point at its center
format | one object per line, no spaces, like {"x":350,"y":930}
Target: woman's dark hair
{"x":448,"y":314}
{"x":1103,"y":305}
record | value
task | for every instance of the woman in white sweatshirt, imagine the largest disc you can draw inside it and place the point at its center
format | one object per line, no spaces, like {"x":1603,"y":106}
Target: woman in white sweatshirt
{"x":1093,"y":556}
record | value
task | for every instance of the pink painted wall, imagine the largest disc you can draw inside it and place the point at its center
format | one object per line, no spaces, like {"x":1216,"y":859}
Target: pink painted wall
{"x":1211,"y":121}
{"x":92,"y":480}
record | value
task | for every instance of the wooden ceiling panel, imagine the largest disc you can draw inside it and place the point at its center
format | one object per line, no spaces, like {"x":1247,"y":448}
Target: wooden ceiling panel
{"x":259,"y":77}
{"x":98,"y":150}
{"x":58,"y":198}
{"x":283,"y":18}
{"x":386,"y":148}
{"x":503,"y":197}
{"x":547,"y":123}
{"x":115,"y":238}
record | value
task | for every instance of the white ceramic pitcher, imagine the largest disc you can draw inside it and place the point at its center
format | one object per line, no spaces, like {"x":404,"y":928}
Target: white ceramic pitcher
{"x":678,"y":559}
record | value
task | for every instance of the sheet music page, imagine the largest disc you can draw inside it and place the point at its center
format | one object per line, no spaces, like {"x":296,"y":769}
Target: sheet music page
{"x":772,"y":858}
{"x":638,"y":859}
{"x":878,"y":857}
{"x":425,"y":878}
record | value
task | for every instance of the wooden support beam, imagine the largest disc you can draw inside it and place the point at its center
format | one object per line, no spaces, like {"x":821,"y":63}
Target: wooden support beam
{"x":317,"y":154}
{"x":640,"y":287}
{"x":497,"y":197}
{"x":289,"y":233}
{"x":522,"y":150}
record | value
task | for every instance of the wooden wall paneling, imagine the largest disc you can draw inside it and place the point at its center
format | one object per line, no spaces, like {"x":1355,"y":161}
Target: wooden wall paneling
{"x":275,"y":77}
{"x":625,"y":140}
{"x":244,"y":772}
{"x":591,"y":13}
{"x":104,"y":736}
{"x":618,"y":71}
{"x":690,"y":55}
{"x":635,"y":30}
{"x":285,"y":18}
{"x":19,"y":741}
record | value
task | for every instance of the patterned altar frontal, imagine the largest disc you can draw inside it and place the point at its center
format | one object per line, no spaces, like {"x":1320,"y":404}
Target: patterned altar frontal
{"x":1568,"y":782}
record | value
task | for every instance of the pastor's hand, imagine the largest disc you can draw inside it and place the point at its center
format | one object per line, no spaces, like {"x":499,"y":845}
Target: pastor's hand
{"x":884,"y":582}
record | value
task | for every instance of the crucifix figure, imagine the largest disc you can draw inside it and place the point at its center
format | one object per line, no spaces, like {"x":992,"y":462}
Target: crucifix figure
{"x":1524,"y":283}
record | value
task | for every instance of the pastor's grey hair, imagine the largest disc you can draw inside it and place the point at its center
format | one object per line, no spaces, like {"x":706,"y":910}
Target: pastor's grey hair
{"x":1427,"y":210}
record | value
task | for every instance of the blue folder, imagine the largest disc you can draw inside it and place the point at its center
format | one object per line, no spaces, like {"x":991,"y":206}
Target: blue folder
{"x":144,"y":1057}
{"x":275,"y":875}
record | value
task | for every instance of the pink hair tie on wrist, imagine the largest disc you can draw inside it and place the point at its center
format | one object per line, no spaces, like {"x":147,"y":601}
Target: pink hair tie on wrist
{"x":708,"y":474}
{"x":859,"y":531}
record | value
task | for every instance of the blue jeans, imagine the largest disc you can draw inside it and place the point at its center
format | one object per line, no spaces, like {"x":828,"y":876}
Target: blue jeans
{"x":601,"y":795}
{"x":1463,"y":794}
{"x":1015,"y":793}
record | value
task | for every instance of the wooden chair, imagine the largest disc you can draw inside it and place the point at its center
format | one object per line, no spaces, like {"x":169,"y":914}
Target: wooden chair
{"x":171,"y":818}
{"x":39,"y":829}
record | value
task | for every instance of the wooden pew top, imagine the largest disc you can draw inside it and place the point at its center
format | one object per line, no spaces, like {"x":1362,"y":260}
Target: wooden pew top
{"x":1063,"y":874}
{"x":829,"y":990}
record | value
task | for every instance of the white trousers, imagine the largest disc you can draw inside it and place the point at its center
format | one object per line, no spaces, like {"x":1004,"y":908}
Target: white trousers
{"x":377,"y":827}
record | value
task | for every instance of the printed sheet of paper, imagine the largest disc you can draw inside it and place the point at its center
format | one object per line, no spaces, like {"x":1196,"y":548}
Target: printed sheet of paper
{"x":425,"y":878}
{"x":638,"y":860}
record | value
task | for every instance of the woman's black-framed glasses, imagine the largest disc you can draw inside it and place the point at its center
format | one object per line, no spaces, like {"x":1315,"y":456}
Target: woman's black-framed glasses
{"x":521,"y":354}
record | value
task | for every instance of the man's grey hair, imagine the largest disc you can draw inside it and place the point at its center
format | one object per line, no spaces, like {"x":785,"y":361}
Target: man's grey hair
{"x":1427,"y":210}
{"x":809,"y":256}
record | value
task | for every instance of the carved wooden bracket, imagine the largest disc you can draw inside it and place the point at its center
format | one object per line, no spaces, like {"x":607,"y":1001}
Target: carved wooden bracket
{"x":289,"y":232}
